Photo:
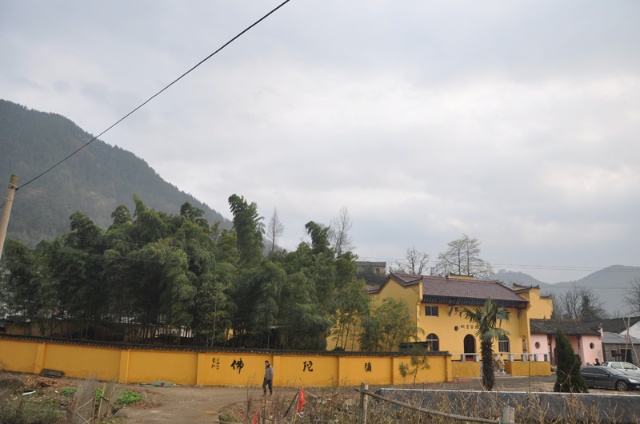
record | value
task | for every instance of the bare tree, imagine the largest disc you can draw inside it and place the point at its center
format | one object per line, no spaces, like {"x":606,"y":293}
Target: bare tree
{"x":339,"y":232}
{"x":558,"y":307}
{"x":274,"y":231}
{"x":415,"y":262}
{"x":570,"y":303}
{"x":582,"y":304}
{"x":632,"y":298}
{"x":463,"y":258}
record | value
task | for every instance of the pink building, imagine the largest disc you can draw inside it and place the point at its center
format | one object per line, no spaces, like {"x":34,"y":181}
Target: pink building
{"x":584,"y":338}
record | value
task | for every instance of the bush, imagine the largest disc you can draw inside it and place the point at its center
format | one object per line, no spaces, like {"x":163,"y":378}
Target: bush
{"x":568,"y":377}
{"x":68,"y":391}
{"x":128,"y":397}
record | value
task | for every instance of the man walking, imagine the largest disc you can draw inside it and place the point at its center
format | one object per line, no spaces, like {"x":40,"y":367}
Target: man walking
{"x":268,"y":378}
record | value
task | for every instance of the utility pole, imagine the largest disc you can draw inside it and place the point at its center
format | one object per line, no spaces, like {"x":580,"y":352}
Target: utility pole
{"x":6,"y":210}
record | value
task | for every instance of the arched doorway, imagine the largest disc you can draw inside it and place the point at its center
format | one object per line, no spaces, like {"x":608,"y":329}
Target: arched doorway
{"x":432,"y":343}
{"x":469,"y":347}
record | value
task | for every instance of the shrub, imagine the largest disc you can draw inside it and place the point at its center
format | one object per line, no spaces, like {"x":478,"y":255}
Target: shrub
{"x":68,"y":391}
{"x":568,"y":377}
{"x":128,"y":397}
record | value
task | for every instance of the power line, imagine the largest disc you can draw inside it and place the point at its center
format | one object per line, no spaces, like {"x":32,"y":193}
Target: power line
{"x":523,"y":266}
{"x":157,"y":94}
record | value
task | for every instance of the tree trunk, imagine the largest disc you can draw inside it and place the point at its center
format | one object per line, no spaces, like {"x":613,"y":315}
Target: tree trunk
{"x":488,"y":378}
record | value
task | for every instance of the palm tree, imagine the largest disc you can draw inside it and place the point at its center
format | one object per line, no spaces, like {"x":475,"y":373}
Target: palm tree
{"x":488,"y":330}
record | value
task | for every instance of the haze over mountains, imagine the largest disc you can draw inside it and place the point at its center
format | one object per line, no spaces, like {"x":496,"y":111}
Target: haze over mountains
{"x":610,"y":284}
{"x":101,"y":177}
{"x":96,"y":180}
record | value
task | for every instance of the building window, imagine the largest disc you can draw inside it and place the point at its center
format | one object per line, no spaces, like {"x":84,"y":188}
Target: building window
{"x":537,"y":345}
{"x":431,"y":311}
{"x":433,"y":343}
{"x":503,"y":344}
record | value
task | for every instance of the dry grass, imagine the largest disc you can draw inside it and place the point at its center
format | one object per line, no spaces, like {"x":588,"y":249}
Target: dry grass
{"x":32,"y":399}
{"x":343,"y":406}
{"x":29,"y":401}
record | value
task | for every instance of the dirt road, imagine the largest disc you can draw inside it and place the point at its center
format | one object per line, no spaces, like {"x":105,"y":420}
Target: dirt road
{"x":190,"y":404}
{"x":184,"y":404}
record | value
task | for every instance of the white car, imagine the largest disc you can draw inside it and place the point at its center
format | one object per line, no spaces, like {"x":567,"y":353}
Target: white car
{"x":626,"y":367}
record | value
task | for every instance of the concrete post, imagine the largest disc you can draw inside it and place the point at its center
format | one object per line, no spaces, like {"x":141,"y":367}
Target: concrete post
{"x":6,"y":210}
{"x":364,"y":402}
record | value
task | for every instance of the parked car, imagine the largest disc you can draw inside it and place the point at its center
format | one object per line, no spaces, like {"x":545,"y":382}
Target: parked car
{"x":609,"y":378}
{"x":626,"y":367}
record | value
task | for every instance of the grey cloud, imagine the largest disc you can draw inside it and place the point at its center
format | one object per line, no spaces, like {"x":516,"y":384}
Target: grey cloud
{"x":515,"y":122}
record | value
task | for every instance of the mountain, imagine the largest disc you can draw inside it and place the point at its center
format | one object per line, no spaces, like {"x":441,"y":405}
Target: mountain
{"x":96,"y":180}
{"x":610,"y":284}
{"x":511,"y":277}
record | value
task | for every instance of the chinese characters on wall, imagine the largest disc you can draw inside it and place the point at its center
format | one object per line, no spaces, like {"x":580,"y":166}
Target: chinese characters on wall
{"x":215,"y":363}
{"x":308,"y":366}
{"x":237,"y":365}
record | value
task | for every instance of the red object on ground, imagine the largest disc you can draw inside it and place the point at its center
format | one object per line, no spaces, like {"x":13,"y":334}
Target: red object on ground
{"x":301,"y":401}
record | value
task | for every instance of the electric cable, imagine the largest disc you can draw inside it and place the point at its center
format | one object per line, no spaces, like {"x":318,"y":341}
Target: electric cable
{"x":626,"y":268}
{"x":156,"y":94}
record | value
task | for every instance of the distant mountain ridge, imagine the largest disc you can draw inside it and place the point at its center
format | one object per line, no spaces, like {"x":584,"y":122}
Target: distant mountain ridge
{"x":610,"y":284}
{"x":96,"y":180}
{"x":517,"y":277}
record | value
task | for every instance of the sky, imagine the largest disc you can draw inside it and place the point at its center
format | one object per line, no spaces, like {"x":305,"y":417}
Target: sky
{"x":513,"y":122}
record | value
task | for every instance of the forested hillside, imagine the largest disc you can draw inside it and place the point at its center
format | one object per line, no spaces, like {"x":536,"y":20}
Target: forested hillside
{"x":102,"y":248}
{"x":95,"y":181}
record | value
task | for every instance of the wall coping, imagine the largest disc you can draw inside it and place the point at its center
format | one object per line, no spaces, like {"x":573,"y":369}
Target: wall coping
{"x":203,"y":349}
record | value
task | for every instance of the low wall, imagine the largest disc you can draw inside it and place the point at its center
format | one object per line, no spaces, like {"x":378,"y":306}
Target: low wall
{"x":528,"y":368}
{"x":529,"y":406}
{"x":471,"y":369}
{"x":466,"y":369}
{"x":140,"y":364}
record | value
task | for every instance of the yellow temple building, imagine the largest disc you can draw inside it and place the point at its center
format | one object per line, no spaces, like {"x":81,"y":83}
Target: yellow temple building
{"x":434,"y":303}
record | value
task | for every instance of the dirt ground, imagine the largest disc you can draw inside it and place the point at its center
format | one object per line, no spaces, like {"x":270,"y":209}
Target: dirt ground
{"x":194,"y":404}
{"x":183,"y":404}
{"x":191,"y":404}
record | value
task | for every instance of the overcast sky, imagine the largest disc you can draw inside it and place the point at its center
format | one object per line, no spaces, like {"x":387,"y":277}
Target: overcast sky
{"x":515,"y":122}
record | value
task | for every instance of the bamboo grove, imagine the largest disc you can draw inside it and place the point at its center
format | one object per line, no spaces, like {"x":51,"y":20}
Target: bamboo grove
{"x":153,"y":277}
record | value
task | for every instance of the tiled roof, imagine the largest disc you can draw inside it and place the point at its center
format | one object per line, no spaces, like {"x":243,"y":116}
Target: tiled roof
{"x":546,"y":326}
{"x":461,"y":291}
{"x":473,"y":289}
{"x":613,"y":338}
{"x":615,"y":325}
{"x":458,"y":291}
{"x":405,"y":280}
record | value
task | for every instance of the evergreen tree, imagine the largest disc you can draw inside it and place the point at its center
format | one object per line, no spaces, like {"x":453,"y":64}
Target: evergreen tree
{"x":249,"y":229}
{"x":77,"y":264}
{"x":302,"y":324}
{"x":419,"y":361}
{"x":388,"y":325}
{"x":350,"y":307}
{"x":24,"y":285}
{"x":568,"y":377}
